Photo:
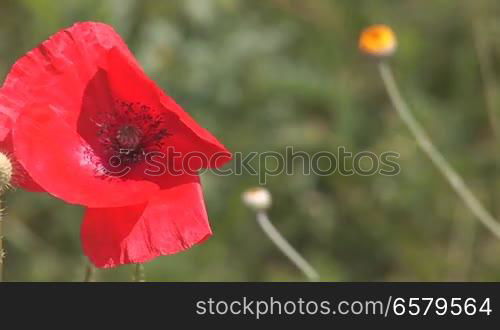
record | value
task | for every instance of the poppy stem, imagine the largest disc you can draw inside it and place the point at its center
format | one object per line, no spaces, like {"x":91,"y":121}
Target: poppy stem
{"x":2,"y":251}
{"x":139,"y":275}
{"x":425,"y":143}
{"x":285,"y":247}
{"x":89,"y":274}
{"x":5,"y":176}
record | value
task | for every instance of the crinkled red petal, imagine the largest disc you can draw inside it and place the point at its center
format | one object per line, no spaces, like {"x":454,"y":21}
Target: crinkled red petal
{"x":172,"y":221}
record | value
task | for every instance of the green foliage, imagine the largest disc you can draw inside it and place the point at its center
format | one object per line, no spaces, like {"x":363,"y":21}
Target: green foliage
{"x":263,"y":75}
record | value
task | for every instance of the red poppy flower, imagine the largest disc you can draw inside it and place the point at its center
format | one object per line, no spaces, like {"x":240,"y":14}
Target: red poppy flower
{"x":76,"y":111}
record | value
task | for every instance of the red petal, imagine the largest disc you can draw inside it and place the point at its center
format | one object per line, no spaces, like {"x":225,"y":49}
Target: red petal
{"x":216,"y":153}
{"x":57,"y":71}
{"x":172,"y":221}
{"x":5,"y":126}
{"x":61,"y":162}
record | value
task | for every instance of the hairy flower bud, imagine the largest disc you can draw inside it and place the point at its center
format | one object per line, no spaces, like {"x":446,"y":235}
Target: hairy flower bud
{"x":5,"y":172}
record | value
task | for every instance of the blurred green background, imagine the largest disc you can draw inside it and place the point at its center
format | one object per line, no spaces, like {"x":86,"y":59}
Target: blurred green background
{"x":263,"y":75}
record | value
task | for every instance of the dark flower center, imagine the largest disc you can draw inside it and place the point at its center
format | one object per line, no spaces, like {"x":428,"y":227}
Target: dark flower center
{"x":129,"y":137}
{"x":130,"y":130}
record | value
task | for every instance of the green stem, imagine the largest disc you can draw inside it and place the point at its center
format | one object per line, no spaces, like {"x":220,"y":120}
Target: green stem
{"x":139,"y":275}
{"x":89,"y":274}
{"x":424,"y":142}
{"x":285,"y":247}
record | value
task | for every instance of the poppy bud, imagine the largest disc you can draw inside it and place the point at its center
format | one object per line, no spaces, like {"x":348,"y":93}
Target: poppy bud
{"x":257,"y":198}
{"x":5,"y":172}
{"x":378,"y":40}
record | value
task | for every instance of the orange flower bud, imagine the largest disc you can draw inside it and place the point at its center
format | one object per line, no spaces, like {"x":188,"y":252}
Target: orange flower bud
{"x":378,"y":40}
